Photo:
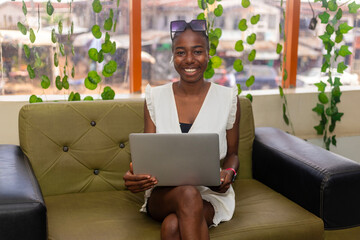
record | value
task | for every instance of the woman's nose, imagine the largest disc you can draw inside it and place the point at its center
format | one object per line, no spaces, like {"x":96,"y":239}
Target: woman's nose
{"x":189,"y":58}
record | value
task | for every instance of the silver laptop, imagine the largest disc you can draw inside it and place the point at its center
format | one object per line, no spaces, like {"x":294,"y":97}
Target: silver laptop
{"x":176,"y":158}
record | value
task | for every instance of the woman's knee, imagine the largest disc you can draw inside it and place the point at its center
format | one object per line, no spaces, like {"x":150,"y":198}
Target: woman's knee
{"x":189,"y":198}
{"x":170,"y":227}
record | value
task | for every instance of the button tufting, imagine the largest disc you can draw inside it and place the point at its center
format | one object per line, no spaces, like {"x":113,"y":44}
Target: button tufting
{"x":122,"y":145}
{"x":65,"y":148}
{"x":96,"y":171}
{"x":93,"y":123}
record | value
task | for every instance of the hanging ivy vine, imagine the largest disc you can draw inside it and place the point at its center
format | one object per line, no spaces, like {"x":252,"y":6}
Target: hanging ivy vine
{"x":215,"y":34}
{"x":280,"y":50}
{"x":93,"y":79}
{"x":333,"y":41}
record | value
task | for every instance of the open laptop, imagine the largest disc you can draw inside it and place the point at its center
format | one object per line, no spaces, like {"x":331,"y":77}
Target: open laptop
{"x":176,"y":158}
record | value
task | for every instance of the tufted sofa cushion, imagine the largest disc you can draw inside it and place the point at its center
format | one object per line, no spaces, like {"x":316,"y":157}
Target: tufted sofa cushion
{"x":79,"y":146}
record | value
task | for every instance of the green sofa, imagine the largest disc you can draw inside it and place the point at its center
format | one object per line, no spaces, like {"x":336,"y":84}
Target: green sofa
{"x":64,"y":181}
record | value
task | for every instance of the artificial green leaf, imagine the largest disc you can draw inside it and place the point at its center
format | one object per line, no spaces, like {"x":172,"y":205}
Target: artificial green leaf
{"x":285,"y":76}
{"x":249,"y":96}
{"x":49,"y":8}
{"x":45,"y":82}
{"x":33,"y":99}
{"x":218,"y":10}
{"x":337,"y":116}
{"x":96,"y":31}
{"x":216,"y":61}
{"x":239,"y":46}
{"x":333,"y":140}
{"x":74,"y":97}
{"x":332,"y":5}
{"x":325,"y":66}
{"x":339,"y":37}
{"x":251,"y":39}
{"x":212,"y":51}
{"x":110,"y":67}
{"x":24,"y":8}
{"x":58,"y":83}
{"x":238,"y":66}
{"x":72,"y":50}
{"x":344,"y":27}
{"x":209,"y":73}
{"x":60,"y":27}
{"x":285,"y":117}
{"x":62,"y":49}
{"x":32,"y":36}
{"x":279,"y":48}
{"x":329,"y":29}
{"x":337,"y":82}
{"x":90,"y":84}
{"x":100,"y":56}
{"x":218,"y":32}
{"x":93,"y":54}
{"x":27,"y":51}
{"x":281,"y":91}
{"x":323,"y":98}
{"x":324,"y":17}
{"x":210,"y":1}
{"x":22,"y":28}
{"x":214,"y":41}
{"x":88,"y":98}
{"x":201,"y":16}
{"x":344,"y":51}
{"x":53,"y":36}
{"x":107,"y":46}
{"x":73,"y":72}
{"x":245,"y":3}
{"x":319,"y":129}
{"x":111,"y":14}
{"x":108,"y":94}
{"x":239,"y":88}
{"x":108,"y":24}
{"x":250,"y":81}
{"x":255,"y":19}
{"x":94,"y":77}
{"x":341,"y":67}
{"x":65,"y":82}
{"x":321,"y":86}
{"x":56,"y":60}
{"x":113,"y":50}
{"x":30,"y":71}
{"x":353,"y":7}
{"x":331,"y":111}
{"x":97,"y":7}
{"x":319,"y":109}
{"x":325,"y":37}
{"x":252,"y":55}
{"x":72,"y":28}
{"x":202,"y":4}
{"x":338,"y":14}
{"x":242,"y":25}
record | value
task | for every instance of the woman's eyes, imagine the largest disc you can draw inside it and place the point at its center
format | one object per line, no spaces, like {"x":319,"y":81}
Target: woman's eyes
{"x":182,"y":53}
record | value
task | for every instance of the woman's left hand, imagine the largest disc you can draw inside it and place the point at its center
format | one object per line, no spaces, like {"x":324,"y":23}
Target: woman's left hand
{"x":225,"y":179}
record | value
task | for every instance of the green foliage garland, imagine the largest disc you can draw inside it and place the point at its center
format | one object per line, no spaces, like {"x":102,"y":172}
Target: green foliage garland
{"x":334,"y":45}
{"x":61,"y":81}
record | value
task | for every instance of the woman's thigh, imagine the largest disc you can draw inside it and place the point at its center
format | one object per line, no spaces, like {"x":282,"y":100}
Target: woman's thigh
{"x":166,"y":200}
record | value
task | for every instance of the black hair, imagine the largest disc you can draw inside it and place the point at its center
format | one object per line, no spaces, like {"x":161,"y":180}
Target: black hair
{"x":203,"y":33}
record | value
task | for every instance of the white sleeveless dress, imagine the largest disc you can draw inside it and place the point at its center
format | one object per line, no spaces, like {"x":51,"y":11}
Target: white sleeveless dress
{"x":217,"y":114}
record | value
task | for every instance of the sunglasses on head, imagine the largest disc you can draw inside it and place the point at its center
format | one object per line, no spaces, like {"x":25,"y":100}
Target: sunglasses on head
{"x":180,"y":26}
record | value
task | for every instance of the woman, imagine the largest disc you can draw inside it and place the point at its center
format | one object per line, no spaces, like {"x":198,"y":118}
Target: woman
{"x":191,"y":105}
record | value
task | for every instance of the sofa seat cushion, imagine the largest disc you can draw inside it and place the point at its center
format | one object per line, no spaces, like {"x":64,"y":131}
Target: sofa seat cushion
{"x":260,"y":213}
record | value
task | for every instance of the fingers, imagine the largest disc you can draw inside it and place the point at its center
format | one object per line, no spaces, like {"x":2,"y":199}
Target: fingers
{"x":131,"y":168}
{"x":138,"y":182}
{"x":225,"y":178}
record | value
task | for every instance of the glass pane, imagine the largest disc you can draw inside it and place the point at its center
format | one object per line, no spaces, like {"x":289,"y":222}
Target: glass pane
{"x":71,"y":49}
{"x":156,"y":18}
{"x":311,"y":48}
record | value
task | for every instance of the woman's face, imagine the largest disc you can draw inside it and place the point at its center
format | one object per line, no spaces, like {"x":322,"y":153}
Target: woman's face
{"x":190,"y":55}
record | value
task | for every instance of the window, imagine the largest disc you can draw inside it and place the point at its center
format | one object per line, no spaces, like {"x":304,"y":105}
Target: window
{"x":14,"y":78}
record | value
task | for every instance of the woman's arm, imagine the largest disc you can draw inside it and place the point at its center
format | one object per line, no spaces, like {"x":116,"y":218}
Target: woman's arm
{"x":231,"y":160}
{"x":141,"y":182}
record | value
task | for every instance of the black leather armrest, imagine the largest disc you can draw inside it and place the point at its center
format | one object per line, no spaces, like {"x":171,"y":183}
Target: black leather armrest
{"x":22,"y":207}
{"x":320,"y":181}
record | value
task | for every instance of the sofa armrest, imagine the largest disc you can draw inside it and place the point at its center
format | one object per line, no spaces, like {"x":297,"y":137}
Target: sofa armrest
{"x":320,"y":181}
{"x":22,"y":207}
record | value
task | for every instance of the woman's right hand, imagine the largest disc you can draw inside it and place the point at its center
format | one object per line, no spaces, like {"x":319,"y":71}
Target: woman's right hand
{"x":138,"y":182}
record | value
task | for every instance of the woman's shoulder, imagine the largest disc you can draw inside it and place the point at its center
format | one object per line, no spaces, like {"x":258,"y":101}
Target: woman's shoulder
{"x":159,"y":88}
{"x":224,"y":90}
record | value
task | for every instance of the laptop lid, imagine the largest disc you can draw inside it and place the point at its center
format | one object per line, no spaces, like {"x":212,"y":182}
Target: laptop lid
{"x":176,"y":158}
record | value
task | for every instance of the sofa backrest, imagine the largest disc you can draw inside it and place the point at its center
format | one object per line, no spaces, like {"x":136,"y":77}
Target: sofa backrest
{"x":83,"y":146}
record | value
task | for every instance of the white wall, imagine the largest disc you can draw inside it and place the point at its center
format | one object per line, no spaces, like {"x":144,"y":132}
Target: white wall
{"x":267,"y":112}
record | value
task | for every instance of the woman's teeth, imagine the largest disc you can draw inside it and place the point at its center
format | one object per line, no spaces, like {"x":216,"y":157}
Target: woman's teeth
{"x":190,"y":70}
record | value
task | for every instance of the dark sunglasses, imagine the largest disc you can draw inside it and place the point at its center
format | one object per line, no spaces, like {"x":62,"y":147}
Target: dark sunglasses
{"x":180,"y":26}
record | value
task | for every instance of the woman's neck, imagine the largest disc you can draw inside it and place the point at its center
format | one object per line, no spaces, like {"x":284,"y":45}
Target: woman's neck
{"x":195,"y":88}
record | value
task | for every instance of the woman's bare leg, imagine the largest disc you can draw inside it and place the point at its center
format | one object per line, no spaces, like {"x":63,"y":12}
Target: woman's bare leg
{"x":184,"y":205}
